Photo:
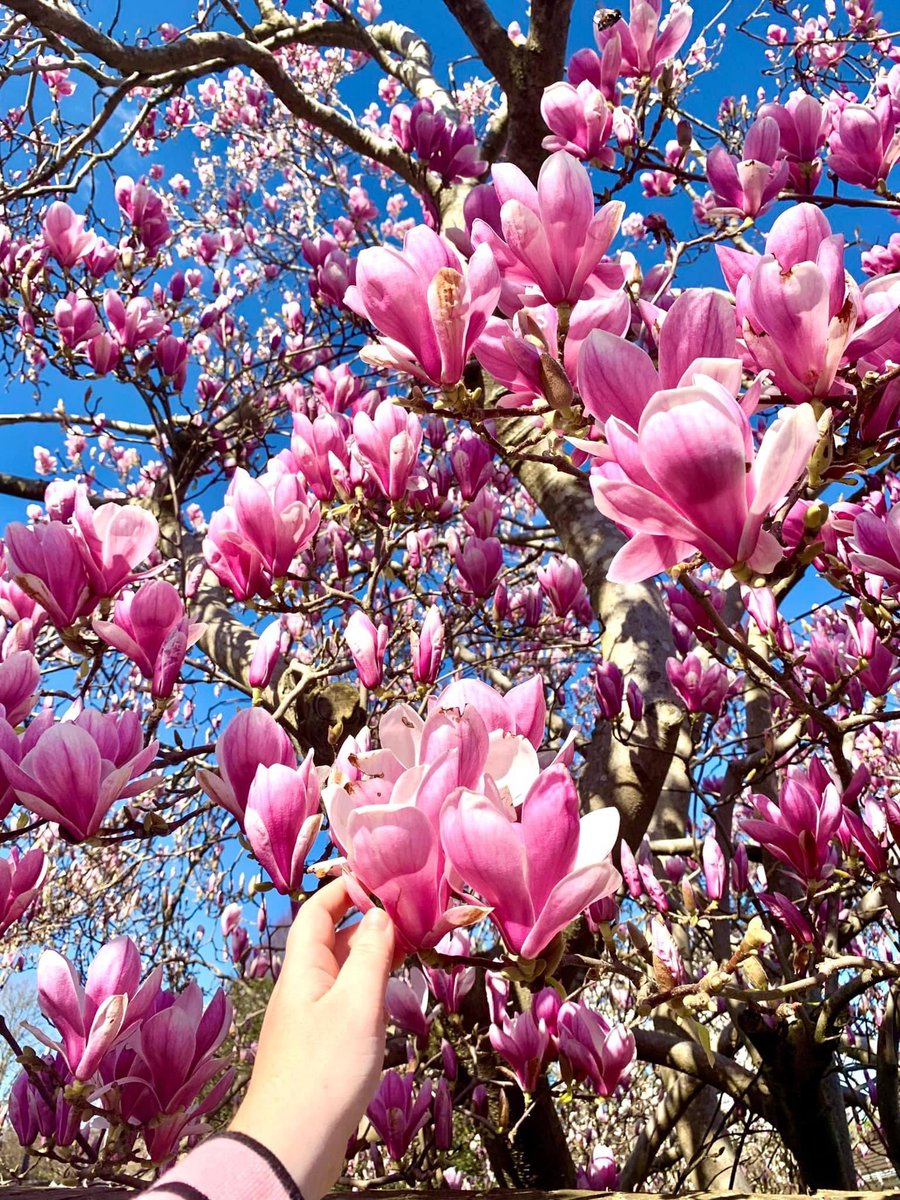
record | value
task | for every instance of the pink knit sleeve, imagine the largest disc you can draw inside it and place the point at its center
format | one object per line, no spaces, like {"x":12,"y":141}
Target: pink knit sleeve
{"x":227,"y":1166}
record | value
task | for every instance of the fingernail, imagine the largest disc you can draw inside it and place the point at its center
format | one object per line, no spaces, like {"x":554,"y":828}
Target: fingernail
{"x":377,"y":920}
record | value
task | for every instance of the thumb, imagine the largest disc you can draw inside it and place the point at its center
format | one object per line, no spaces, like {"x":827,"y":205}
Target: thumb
{"x":365,"y":973}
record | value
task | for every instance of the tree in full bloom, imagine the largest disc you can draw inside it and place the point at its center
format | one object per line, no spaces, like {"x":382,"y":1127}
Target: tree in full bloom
{"x":480,"y":483}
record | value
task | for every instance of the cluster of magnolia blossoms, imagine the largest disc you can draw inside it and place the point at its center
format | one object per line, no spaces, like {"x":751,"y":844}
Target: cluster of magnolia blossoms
{"x":133,"y":1053}
{"x":79,"y":556}
{"x":61,"y":569}
{"x":660,"y":437}
{"x":454,"y":818}
{"x":133,"y":327}
{"x":789,"y":144}
{"x":588,"y":1049}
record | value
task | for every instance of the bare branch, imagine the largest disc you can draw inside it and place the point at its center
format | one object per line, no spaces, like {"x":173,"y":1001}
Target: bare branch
{"x":690,"y":1058}
{"x":202,"y":53}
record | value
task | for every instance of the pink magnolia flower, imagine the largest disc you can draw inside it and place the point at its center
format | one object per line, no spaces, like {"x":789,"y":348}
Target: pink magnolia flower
{"x":524,"y":1041}
{"x":384,"y":805}
{"x":515,"y":352}
{"x":20,"y":683}
{"x":688,"y":480}
{"x":90,"y":1019}
{"x":697,"y":336}
{"x":387,"y":445}
{"x":580,"y":121}
{"x":367,"y":644}
{"x":786,"y":911}
{"x":797,"y":314}
{"x":16,"y":605}
{"x":746,"y":187}
{"x":562,"y":582}
{"x":172,"y":354}
{"x":282,"y":820}
{"x":16,"y":747}
{"x":134,"y":324}
{"x":882,"y":260}
{"x":479,"y":562}
{"x":799,"y":829}
{"x":150,"y":626}
{"x":64,"y":234}
{"x":264,"y":524}
{"x":864,"y":143}
{"x":77,"y":769}
{"x":162,"y":1075}
{"x":321,"y":452}
{"x":427,"y":647}
{"x":446,"y":148}
{"x":703,"y":685}
{"x":427,"y":303}
{"x":21,"y":879}
{"x":144,"y":209}
{"x":397,"y":1113}
{"x":876,"y":544}
{"x":251,"y":739}
{"x":538,"y":868}
{"x":668,"y":965}
{"x":114,"y":539}
{"x":601,"y":1173}
{"x":552,"y":240}
{"x":451,"y":984}
{"x":46,"y":563}
{"x":645,"y":45}
{"x":802,"y":122}
{"x":443,"y":1114}
{"x":103,"y":353}
{"x":609,"y":690}
{"x":597,"y":1052}
{"x":270,"y":645}
{"x":603,"y":69}
{"x":38,"y":1107}
{"x":394,"y":853}
{"x":406,"y":1000}
{"x":472,"y":460}
{"x":715,"y":870}
{"x":77,"y":320}
{"x":333,"y":270}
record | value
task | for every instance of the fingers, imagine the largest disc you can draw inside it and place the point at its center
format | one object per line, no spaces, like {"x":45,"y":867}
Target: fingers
{"x":343,"y":940}
{"x":365,"y":972}
{"x":310,"y":964}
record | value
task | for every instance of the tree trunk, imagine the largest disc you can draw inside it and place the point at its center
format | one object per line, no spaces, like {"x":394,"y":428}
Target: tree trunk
{"x":806,"y":1104}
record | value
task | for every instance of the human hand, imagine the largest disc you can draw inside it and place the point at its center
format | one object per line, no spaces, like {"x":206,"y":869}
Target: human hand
{"x":321,"y":1047}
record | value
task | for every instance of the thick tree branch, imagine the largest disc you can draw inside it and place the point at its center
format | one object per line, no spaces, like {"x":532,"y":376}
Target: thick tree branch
{"x":887,"y":1075}
{"x":487,"y":36}
{"x":202,"y":53}
{"x":691,"y":1059}
{"x":656,"y":1129}
{"x":416,"y":68}
{"x":190,"y":51}
{"x":22,"y":488}
{"x":636,"y":636}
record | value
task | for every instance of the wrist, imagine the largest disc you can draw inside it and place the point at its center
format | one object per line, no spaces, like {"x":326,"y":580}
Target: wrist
{"x":293,"y":1145}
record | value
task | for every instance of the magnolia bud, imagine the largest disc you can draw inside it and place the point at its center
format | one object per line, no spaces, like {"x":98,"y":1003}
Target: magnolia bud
{"x":755,"y":973}
{"x":448,"y":1060}
{"x":756,"y":935}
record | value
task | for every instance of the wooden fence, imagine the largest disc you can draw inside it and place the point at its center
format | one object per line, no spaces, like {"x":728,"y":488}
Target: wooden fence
{"x":100,"y":1192}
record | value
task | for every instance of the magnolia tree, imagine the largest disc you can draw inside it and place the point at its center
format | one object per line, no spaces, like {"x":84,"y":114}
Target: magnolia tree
{"x":414,"y":504}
